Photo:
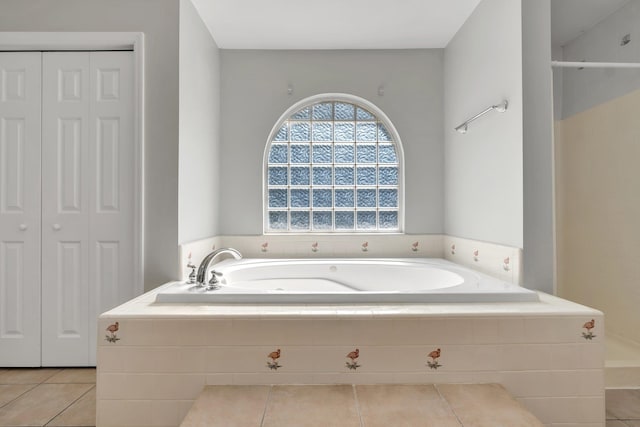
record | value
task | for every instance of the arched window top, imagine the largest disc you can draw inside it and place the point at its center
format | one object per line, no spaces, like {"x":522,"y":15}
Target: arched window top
{"x":333,"y":164}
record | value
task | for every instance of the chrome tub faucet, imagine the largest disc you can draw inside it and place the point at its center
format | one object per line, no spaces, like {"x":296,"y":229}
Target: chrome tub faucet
{"x":201,"y":278}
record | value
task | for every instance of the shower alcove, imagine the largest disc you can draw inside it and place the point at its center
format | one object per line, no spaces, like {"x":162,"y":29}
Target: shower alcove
{"x":597,"y":147}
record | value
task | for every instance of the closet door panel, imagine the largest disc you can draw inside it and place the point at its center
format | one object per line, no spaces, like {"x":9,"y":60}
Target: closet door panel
{"x":88,"y":206}
{"x":112,"y":177}
{"x":20,"y":90}
{"x":65,"y":208}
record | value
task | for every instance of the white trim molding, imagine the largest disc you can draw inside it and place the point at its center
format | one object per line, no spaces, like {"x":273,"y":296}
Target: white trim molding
{"x":26,"y":41}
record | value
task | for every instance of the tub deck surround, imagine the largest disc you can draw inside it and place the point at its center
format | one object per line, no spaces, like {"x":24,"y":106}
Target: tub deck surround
{"x":457,"y":405}
{"x":346,"y":280}
{"x":502,"y":262}
{"x":166,"y":353}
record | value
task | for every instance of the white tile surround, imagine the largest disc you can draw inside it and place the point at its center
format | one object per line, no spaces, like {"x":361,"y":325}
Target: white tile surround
{"x":503,"y":262}
{"x":165,"y":354}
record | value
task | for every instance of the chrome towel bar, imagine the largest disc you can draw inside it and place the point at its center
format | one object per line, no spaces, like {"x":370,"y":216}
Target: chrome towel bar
{"x":501,"y":108}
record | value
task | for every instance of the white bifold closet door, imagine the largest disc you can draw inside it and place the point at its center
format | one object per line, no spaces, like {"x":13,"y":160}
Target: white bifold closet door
{"x":20,"y":91}
{"x":87,"y":198}
{"x":66,"y":202}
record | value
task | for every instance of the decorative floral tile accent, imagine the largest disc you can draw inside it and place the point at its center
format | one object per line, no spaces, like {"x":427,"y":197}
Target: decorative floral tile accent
{"x":414,"y":246}
{"x":111,"y":336}
{"x":589,"y":326}
{"x":475,"y":255}
{"x":433,"y":363}
{"x":453,"y":249}
{"x":273,"y":363}
{"x":365,"y":247}
{"x":505,"y":264}
{"x":314,"y":247}
{"x":353,"y":363}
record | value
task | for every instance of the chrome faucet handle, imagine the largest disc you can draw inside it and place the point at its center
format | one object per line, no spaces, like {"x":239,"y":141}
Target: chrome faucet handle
{"x":214,"y":276}
{"x":192,"y":275}
{"x":214,"y":283}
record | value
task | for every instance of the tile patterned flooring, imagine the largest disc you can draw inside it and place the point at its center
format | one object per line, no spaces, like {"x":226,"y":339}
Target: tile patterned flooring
{"x":623,"y":408}
{"x":382,"y":405}
{"x":48,"y":397}
{"x":66,"y":398}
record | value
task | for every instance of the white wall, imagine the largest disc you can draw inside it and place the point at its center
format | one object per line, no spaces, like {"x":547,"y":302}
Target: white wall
{"x":538,"y":218}
{"x":483,"y":168}
{"x":199,"y":135}
{"x":254,"y":96}
{"x":584,"y":89}
{"x":158,"y":19}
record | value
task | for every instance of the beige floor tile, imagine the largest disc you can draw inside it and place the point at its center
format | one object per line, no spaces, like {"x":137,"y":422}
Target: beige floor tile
{"x":41,"y":404}
{"x":74,"y":376}
{"x":228,"y":406}
{"x":403,"y":406}
{"x":8,"y":392}
{"x":310,"y":406}
{"x":623,"y":404}
{"x":81,"y":413}
{"x":486,"y":404}
{"x":26,"y":375}
{"x":615,"y":423}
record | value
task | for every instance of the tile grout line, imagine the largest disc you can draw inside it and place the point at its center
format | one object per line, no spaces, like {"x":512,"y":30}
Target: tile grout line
{"x":448,"y":404}
{"x":7,"y":370}
{"x":60,"y":370}
{"x":357,"y":402}
{"x":70,"y":405}
{"x":20,"y":395}
{"x":266,"y":405}
{"x":4,"y":371}
{"x":36,"y":385}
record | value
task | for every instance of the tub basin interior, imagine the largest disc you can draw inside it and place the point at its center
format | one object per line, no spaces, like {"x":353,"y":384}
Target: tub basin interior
{"x":346,"y":281}
{"x":361,"y":275}
{"x":292,"y":284}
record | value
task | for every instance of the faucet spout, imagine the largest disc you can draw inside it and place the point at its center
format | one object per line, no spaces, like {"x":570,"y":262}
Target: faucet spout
{"x":201,"y":278}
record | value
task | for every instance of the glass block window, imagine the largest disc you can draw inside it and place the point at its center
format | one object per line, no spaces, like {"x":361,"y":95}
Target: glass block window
{"x":333,"y":166}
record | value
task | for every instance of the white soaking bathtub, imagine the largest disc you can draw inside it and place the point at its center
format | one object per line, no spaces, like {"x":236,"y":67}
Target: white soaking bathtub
{"x":329,"y":281}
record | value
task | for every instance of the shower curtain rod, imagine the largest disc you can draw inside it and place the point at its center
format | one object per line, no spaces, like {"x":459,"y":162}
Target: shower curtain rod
{"x":573,"y":64}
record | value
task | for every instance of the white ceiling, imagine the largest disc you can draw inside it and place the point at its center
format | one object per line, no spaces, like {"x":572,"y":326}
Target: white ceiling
{"x":334,"y":24}
{"x":570,"y":18}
